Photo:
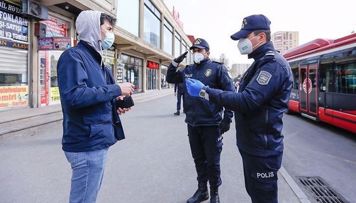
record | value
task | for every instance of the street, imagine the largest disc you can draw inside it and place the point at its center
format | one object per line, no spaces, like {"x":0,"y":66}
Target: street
{"x":317,"y":149}
{"x":154,"y":164}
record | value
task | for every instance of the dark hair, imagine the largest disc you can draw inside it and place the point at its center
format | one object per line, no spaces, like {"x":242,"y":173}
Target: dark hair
{"x":267,"y":32}
{"x":104,"y":17}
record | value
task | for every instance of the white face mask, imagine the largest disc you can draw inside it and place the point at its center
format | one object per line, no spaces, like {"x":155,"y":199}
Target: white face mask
{"x":245,"y":46}
{"x":198,"y":57}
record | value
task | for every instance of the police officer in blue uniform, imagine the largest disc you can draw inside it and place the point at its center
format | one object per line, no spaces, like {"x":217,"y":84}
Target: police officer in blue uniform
{"x":259,"y":105}
{"x":204,"y":119}
{"x":179,"y":92}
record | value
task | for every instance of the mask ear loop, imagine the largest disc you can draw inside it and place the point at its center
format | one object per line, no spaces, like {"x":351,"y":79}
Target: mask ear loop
{"x":258,"y":44}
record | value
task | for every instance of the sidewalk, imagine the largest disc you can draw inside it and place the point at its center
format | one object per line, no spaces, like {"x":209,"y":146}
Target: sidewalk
{"x":16,"y":120}
{"x":153,"y":162}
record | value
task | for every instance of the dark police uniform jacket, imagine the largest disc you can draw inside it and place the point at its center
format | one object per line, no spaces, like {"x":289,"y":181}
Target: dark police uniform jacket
{"x":88,"y":93}
{"x":200,"y":112}
{"x":179,"y":88}
{"x":261,"y":100}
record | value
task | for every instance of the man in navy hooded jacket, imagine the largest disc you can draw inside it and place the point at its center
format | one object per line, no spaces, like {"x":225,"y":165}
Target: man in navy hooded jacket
{"x":259,"y":105}
{"x":88,"y":97}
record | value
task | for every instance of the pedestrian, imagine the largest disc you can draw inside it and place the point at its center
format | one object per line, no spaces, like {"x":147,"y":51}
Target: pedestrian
{"x":88,"y":96}
{"x":179,"y":92}
{"x":204,"y":119}
{"x":259,"y":105}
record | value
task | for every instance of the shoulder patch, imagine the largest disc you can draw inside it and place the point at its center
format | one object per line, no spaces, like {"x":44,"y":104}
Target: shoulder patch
{"x":264,"y":77}
{"x":208,"y":72}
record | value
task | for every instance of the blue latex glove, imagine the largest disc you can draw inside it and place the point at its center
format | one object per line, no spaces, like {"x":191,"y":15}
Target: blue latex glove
{"x":193,"y":87}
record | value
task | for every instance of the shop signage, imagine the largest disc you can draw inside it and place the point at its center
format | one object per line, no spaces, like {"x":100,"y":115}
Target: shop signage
{"x":12,"y":25}
{"x":54,"y":43}
{"x":12,"y":44}
{"x":152,"y":65}
{"x":53,"y":27}
{"x":13,"y":96}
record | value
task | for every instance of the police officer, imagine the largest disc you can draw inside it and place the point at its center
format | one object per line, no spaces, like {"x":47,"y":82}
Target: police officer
{"x":204,"y":119}
{"x":179,"y":92}
{"x":259,"y":105}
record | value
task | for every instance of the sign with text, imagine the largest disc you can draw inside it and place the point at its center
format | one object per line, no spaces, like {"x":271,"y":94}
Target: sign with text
{"x":55,"y":94}
{"x":152,"y":65}
{"x":54,"y":43}
{"x":12,"y":25}
{"x":12,"y":44}
{"x":54,"y":27}
{"x":13,"y":96}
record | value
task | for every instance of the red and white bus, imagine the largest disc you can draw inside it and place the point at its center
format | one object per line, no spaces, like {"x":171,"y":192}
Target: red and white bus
{"x":324,"y":86}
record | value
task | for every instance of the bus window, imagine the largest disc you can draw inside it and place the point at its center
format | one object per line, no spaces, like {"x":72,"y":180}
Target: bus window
{"x":346,"y":78}
{"x":295,"y":78}
{"x":295,"y":72}
{"x":327,"y":77}
{"x":322,"y":78}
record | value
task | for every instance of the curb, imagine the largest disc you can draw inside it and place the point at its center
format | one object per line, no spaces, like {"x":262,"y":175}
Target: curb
{"x":294,"y":186}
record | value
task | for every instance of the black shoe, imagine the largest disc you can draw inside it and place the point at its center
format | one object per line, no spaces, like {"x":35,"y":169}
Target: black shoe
{"x":214,"y":196}
{"x":177,"y":113}
{"x":200,"y":195}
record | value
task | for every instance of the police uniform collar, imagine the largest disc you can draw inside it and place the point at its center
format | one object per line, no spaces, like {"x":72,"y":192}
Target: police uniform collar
{"x":261,"y":51}
{"x":203,"y":62}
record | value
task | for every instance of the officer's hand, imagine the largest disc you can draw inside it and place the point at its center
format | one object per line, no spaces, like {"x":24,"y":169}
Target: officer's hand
{"x":224,"y":126}
{"x":180,"y":58}
{"x":194,"y":87}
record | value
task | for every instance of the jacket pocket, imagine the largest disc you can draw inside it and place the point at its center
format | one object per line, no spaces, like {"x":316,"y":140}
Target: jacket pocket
{"x":101,"y":129}
{"x":97,"y":118}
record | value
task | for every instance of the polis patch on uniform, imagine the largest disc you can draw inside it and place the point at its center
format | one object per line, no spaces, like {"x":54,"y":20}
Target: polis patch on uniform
{"x":207,"y":72}
{"x":264,"y":77}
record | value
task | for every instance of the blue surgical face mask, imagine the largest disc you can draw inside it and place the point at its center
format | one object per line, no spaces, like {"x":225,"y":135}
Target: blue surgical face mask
{"x":108,"y":40}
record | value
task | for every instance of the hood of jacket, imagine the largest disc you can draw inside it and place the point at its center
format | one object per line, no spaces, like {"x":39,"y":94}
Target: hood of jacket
{"x":88,"y":28}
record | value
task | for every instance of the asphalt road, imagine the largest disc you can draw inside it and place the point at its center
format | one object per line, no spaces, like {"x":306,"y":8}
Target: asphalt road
{"x":317,"y":149}
{"x":154,"y":164}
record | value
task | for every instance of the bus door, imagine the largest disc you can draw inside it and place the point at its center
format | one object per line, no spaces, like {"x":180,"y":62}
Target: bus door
{"x":308,"y":91}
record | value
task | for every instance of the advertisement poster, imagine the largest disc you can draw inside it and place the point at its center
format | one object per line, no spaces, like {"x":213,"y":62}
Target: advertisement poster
{"x":55,"y":95}
{"x":13,"y":96}
{"x":44,"y":77}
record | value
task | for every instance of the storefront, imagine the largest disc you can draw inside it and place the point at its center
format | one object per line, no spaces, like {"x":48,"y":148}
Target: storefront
{"x":152,"y":75}
{"x":164,"y":83}
{"x":14,"y":88}
{"x":109,"y":60}
{"x":54,"y":37}
{"x":130,"y":69}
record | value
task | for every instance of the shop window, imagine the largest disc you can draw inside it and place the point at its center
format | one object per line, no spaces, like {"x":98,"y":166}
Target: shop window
{"x":152,"y":24}
{"x":128,"y":15}
{"x":130,"y":70}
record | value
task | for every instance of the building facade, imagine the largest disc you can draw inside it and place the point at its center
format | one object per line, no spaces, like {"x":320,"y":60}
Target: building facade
{"x":285,"y":40}
{"x":147,"y":38}
{"x":237,"y":70}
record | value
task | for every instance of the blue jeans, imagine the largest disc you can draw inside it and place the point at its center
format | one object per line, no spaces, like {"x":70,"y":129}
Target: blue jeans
{"x":87,"y":174}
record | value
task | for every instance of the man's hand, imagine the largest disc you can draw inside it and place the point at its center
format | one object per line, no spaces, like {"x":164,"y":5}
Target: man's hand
{"x":126,"y":88}
{"x":224,"y":126}
{"x":194,"y":87}
{"x":180,"y":58}
{"x":122,"y":110}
